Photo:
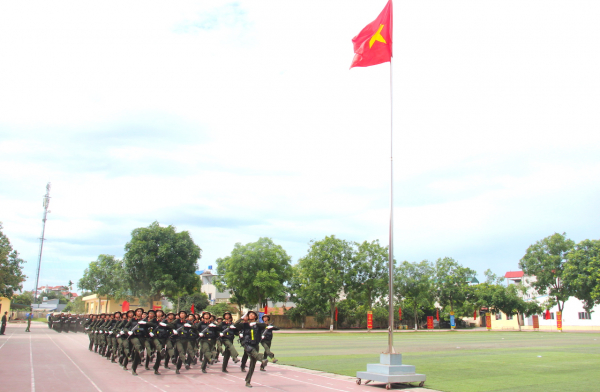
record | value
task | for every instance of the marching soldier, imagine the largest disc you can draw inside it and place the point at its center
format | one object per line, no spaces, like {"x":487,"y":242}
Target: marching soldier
{"x":137,"y":329}
{"x":266,"y":339}
{"x":252,"y":331}
{"x":227,"y":334}
{"x":208,"y":335}
{"x":125,"y":342}
{"x":185,"y":334}
{"x":148,"y":343}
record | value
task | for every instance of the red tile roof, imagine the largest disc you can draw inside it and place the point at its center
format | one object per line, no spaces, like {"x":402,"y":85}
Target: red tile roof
{"x":514,"y":274}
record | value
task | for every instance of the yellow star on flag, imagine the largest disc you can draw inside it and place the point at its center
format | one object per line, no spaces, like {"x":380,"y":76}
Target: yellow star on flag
{"x":377,"y":37}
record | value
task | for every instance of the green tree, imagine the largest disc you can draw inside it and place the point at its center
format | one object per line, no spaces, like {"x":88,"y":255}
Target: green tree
{"x":11,"y":268}
{"x":545,"y":260}
{"x":414,"y":286}
{"x":220,"y":308}
{"x":451,"y":282}
{"x":198,"y":299}
{"x":318,"y":278}
{"x":26,"y":298}
{"x":366,"y":275}
{"x":160,"y":262}
{"x":581,"y":275}
{"x":77,"y":306}
{"x":347,"y":312}
{"x":104,"y":277}
{"x":255,"y":272}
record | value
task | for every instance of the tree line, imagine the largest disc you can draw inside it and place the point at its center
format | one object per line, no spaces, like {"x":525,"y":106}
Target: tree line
{"x":334,"y":277}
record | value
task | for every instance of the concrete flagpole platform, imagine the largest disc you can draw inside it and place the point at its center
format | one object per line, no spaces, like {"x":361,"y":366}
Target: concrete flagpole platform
{"x":390,"y":370}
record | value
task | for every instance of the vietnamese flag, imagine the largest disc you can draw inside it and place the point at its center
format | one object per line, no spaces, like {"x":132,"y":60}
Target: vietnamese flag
{"x":125,"y":307}
{"x":192,"y":309}
{"x":373,"y":45}
{"x":547,"y":315}
{"x":400,"y":314}
{"x":474,"y":315}
{"x":437,"y":315}
{"x":336,"y":314}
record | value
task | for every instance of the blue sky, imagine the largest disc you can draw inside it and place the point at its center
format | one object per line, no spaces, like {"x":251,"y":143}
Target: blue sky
{"x":240,"y":120}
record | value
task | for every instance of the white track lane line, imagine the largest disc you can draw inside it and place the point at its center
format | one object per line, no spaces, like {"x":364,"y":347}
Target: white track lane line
{"x":310,"y":383}
{"x":148,"y":382}
{"x":255,"y":382}
{"x":196,"y":381}
{"x":139,"y":376}
{"x":78,"y":368}
{"x":9,"y":336}
{"x":31,"y":365}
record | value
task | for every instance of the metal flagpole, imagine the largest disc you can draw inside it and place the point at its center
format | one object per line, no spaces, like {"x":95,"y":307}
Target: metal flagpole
{"x":46,"y":204}
{"x":391,"y":247}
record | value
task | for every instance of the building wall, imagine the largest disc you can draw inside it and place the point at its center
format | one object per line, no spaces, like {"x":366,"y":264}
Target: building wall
{"x":4,"y":306}
{"x":570,"y":317}
{"x":92,"y":304}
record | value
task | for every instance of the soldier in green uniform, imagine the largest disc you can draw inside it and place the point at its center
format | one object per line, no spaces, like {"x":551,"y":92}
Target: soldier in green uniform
{"x":183,"y":340}
{"x":4,"y":321}
{"x":148,"y":341}
{"x":87,"y":328}
{"x":208,"y":335}
{"x":266,"y":339}
{"x":29,"y":316}
{"x":137,"y":329}
{"x":125,"y":342}
{"x":252,"y":331}
{"x":227,"y":334}
{"x":113,"y":330}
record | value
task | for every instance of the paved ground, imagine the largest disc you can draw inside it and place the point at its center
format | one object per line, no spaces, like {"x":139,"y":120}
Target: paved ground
{"x":44,"y":360}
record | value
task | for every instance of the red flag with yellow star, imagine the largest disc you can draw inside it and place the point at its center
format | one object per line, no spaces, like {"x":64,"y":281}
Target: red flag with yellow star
{"x":373,"y":45}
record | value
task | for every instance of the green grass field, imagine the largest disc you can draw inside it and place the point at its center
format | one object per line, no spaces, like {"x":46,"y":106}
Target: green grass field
{"x":459,"y":361}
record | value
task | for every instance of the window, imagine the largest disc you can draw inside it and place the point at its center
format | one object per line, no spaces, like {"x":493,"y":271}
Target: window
{"x":552,"y":315}
{"x":509,"y":317}
{"x":584,"y":316}
{"x":498,"y":316}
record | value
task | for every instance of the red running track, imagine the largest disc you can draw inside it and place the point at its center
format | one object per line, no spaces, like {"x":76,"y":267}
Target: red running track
{"x":44,"y":360}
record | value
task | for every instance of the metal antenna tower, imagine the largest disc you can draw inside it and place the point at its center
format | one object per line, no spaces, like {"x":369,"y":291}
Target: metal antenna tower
{"x":46,"y":204}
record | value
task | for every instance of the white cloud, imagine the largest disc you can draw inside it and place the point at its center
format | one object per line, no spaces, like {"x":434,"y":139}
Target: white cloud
{"x":240,"y":120}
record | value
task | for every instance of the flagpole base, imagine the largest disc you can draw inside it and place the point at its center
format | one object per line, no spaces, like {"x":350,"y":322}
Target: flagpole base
{"x":390,"y":370}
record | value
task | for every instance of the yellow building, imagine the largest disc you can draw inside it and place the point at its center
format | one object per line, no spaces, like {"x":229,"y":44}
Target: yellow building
{"x":502,"y":322}
{"x":97,"y":305}
{"x":4,"y":305}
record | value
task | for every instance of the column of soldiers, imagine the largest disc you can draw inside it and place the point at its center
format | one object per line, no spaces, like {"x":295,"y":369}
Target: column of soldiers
{"x":68,"y":322}
{"x":183,"y":340}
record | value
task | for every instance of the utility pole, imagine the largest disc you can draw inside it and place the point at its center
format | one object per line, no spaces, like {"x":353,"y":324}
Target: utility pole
{"x":46,"y":204}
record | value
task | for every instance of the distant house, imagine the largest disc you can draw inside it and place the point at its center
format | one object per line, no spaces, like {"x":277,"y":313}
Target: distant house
{"x":574,"y":316}
{"x":215,"y":296}
{"x":48,"y":305}
{"x":97,"y":305}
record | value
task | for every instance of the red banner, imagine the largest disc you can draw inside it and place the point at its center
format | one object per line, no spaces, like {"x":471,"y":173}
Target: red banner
{"x":488,"y":321}
{"x":400,"y":314}
{"x":336,"y":314}
{"x":536,"y":322}
{"x":266,"y":310}
{"x":125,"y":306}
{"x":559,"y":321}
{"x":437,"y":315}
{"x":429,"y":322}
{"x":369,"y":320}
{"x":547,"y":315}
{"x":192,"y":309}
{"x":474,"y":315}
